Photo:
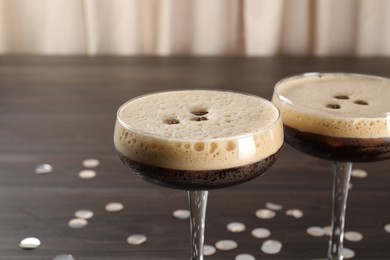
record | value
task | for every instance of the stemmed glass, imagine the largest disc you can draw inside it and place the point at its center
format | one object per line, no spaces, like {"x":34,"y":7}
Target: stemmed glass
{"x":198,"y":140}
{"x":341,"y":117}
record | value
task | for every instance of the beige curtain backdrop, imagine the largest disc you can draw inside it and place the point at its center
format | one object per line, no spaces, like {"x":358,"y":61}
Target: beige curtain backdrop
{"x":196,"y":27}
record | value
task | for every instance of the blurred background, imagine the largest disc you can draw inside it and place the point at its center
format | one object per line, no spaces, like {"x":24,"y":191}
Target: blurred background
{"x":196,"y":27}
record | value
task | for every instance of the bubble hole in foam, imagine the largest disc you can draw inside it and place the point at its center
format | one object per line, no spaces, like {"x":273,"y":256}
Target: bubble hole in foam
{"x":198,"y":129}
{"x":335,"y":104}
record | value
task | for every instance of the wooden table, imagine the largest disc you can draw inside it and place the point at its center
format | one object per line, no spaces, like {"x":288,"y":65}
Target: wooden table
{"x":61,"y":110}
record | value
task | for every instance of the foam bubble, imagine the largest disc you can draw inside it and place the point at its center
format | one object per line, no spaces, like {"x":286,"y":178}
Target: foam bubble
{"x":187,"y":130}
{"x":350,"y":116}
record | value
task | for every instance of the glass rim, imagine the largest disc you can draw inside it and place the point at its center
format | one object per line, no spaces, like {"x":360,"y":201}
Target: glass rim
{"x":154,"y":135}
{"x":291,"y":103}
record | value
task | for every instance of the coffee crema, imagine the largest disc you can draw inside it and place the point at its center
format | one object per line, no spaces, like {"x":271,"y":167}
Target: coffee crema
{"x":198,"y":130}
{"x":336,"y":116}
{"x":335,"y":104}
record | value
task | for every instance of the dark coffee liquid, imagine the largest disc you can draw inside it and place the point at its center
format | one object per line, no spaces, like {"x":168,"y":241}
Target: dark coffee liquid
{"x":338,"y":148}
{"x":199,"y":180}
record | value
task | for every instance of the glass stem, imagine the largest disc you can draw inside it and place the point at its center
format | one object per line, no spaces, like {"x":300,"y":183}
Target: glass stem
{"x":341,"y":175}
{"x":198,"y":203}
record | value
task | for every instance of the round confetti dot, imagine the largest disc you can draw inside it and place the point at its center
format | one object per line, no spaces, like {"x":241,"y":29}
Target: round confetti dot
{"x":353,"y":236}
{"x":328,"y":230}
{"x":296,"y":213}
{"x":43,"y":168}
{"x":137,"y":239}
{"x":114,"y":207}
{"x":91,"y":163}
{"x":271,"y":247}
{"x":30,"y":243}
{"x":64,"y":257}
{"x":245,"y":257}
{"x":209,"y":250}
{"x":182,"y":214}
{"x":87,"y":174}
{"x":265,"y":213}
{"x":261,"y":233}
{"x":387,"y":228}
{"x":226,"y":245}
{"x":84,"y":214}
{"x":235,"y":227}
{"x":273,"y":206}
{"x":77,"y":223}
{"x":315,"y":231}
{"x":359,"y":173}
{"x":347,"y":253}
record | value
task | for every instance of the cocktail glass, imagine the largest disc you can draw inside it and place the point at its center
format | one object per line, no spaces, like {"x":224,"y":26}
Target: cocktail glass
{"x":198,"y":140}
{"x":341,"y":117}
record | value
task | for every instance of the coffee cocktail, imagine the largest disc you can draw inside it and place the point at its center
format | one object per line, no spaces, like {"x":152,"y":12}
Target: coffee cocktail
{"x":340,"y":117}
{"x":198,"y":140}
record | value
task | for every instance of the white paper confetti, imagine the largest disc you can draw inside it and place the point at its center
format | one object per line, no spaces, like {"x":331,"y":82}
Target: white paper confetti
{"x":91,"y":163}
{"x":387,"y":228}
{"x":137,"y":239}
{"x":43,"y":168}
{"x":30,"y":243}
{"x":87,"y":174}
{"x":84,"y":214}
{"x":209,"y":250}
{"x":261,"y":233}
{"x":347,"y":253}
{"x":77,"y":223}
{"x":265,"y":213}
{"x":226,"y":245}
{"x":315,"y":231}
{"x":236,"y":227}
{"x":296,"y":213}
{"x":181,"y":214}
{"x":353,"y":236}
{"x":271,"y":247}
{"x":114,"y":207}
{"x":64,"y":257}
{"x":359,"y":173}
{"x":245,"y":257}
{"x":273,"y":206}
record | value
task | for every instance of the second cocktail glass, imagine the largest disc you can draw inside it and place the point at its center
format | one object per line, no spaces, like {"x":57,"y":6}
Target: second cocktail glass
{"x":198,"y":140}
{"x":340,"y":117}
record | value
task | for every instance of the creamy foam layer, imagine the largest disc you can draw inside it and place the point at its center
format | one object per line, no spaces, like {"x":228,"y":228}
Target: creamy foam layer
{"x":336,"y":104}
{"x":198,"y":129}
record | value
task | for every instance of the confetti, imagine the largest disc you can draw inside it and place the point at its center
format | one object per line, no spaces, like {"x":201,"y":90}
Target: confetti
{"x":296,"y":213}
{"x":245,"y":257}
{"x":226,"y":245}
{"x":114,"y":207}
{"x":64,"y":257}
{"x":209,"y":250}
{"x":84,"y":214}
{"x":30,"y":243}
{"x":137,"y":239}
{"x":261,"y":233}
{"x":91,"y":163}
{"x":77,"y":223}
{"x":353,"y":236}
{"x":359,"y":173}
{"x":273,"y":206}
{"x":235,"y":227}
{"x":271,"y":247}
{"x":315,"y":231}
{"x":87,"y":174}
{"x":182,"y":214}
{"x":43,"y":168}
{"x":347,"y":253}
{"x":265,"y":213}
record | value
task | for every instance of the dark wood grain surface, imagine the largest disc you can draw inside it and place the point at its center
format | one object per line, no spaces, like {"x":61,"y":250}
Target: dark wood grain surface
{"x":61,"y":110}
